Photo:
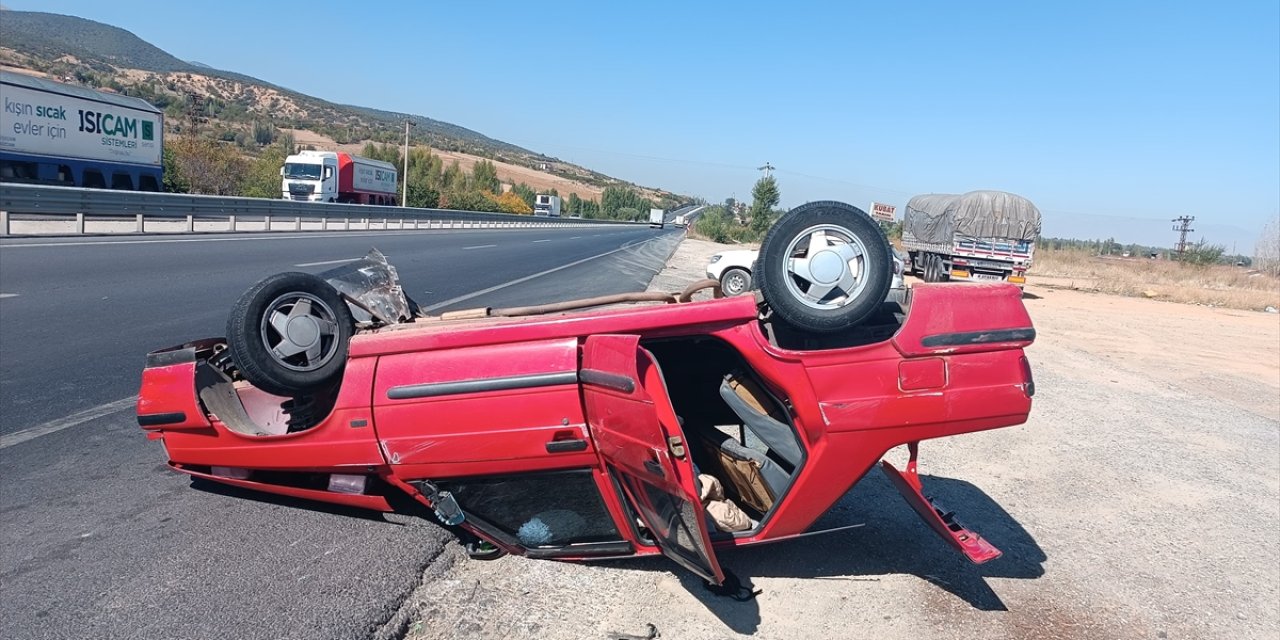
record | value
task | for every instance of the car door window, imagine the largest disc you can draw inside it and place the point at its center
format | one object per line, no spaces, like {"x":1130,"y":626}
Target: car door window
{"x":537,"y":510}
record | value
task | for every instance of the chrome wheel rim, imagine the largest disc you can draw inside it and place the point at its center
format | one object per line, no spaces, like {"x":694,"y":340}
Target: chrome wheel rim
{"x":825,"y":267}
{"x":300,"y":331}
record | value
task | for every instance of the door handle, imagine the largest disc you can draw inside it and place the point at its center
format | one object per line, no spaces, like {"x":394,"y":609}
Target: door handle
{"x":566,"y":446}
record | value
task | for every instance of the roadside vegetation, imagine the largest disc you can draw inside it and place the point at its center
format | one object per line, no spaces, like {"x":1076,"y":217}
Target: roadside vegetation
{"x":734,"y":222}
{"x":1218,"y":285}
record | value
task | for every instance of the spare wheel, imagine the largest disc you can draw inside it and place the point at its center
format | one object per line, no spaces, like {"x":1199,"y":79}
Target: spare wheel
{"x":824,"y":267}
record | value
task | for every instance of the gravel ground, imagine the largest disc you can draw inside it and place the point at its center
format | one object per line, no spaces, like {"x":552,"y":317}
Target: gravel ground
{"x":1141,"y":500}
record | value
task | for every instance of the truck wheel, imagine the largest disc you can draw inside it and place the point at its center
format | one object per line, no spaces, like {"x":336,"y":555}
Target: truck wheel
{"x":288,"y":334}
{"x":930,"y":268}
{"x":940,"y":272}
{"x":735,"y":281}
{"x":824,"y":266}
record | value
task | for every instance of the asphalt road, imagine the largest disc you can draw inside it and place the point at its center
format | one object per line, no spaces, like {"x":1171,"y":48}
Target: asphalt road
{"x":100,"y":540}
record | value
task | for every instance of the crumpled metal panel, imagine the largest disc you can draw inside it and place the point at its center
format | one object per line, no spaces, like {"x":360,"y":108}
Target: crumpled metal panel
{"x":371,"y":286}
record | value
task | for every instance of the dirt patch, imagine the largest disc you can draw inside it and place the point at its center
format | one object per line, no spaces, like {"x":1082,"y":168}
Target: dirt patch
{"x":1141,"y":500}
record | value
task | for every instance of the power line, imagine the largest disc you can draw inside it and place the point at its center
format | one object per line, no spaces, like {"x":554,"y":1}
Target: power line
{"x":1183,"y":228}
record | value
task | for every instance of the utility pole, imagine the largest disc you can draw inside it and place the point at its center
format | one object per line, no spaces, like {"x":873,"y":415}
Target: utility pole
{"x":1183,"y":227}
{"x":766,"y":169}
{"x":404,"y":197}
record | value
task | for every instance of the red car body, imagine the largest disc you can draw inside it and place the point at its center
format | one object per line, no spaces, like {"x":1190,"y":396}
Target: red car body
{"x":573,"y":435}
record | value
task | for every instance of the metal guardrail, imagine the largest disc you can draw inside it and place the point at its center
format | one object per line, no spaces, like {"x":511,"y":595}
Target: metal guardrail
{"x":43,"y":201}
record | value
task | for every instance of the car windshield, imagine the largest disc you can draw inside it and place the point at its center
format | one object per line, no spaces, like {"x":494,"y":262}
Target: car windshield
{"x":302,"y":171}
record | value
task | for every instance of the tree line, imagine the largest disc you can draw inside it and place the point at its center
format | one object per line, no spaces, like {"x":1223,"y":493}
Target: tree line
{"x":210,"y":165}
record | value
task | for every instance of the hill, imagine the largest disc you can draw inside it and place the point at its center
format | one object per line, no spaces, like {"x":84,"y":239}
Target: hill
{"x":236,"y":106}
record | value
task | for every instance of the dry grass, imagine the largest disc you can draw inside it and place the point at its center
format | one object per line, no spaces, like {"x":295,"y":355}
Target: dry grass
{"x":1219,"y":286}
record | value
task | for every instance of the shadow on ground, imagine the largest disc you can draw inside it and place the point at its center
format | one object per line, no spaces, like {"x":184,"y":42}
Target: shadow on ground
{"x":405,"y":507}
{"x":893,"y":541}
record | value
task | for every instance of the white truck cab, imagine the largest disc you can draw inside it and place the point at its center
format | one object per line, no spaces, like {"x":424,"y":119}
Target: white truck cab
{"x":310,"y":176}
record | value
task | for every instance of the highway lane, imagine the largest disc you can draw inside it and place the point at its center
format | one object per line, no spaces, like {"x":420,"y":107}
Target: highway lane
{"x":82,"y":314}
{"x":101,"y":540}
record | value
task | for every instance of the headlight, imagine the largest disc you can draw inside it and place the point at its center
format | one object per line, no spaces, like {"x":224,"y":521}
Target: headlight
{"x":716,"y":258}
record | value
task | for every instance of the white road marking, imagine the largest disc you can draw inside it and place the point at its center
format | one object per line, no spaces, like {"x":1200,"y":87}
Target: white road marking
{"x":317,"y":264}
{"x":537,"y":241}
{"x":313,"y":234}
{"x":479,"y":246}
{"x":8,"y":295}
{"x":527,"y":278}
{"x":75,"y":419}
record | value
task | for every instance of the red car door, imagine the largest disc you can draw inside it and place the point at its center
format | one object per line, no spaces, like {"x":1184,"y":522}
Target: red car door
{"x":639,"y":439}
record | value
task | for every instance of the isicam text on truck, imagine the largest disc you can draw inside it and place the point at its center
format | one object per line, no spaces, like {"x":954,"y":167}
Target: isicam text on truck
{"x":980,"y":235}
{"x":546,"y":205}
{"x":327,"y":176}
{"x":63,"y":135}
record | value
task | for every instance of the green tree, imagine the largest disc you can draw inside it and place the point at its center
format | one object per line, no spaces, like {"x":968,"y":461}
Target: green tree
{"x":422,"y":195}
{"x":262,"y":180}
{"x":714,"y":224}
{"x":264,"y":133}
{"x":630,"y":214}
{"x":1203,"y":254}
{"x":525,"y":192}
{"x":484,"y":175}
{"x":174,"y":181}
{"x":453,"y":180}
{"x":764,"y":197}
{"x":208,"y":166}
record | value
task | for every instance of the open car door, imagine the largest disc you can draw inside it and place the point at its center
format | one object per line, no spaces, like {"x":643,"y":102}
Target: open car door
{"x":638,"y":437}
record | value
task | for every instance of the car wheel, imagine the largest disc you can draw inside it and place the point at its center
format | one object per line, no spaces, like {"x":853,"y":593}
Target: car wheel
{"x":824,"y":266}
{"x":735,"y":282}
{"x":288,"y":334}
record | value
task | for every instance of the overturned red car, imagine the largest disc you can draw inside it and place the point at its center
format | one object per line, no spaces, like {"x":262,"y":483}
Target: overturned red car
{"x":608,"y":427}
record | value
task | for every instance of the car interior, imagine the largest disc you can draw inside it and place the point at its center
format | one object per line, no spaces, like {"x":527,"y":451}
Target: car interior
{"x":736,"y":430}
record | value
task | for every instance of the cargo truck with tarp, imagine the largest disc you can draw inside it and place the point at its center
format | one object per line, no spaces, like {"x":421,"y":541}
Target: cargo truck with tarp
{"x":60,"y":134}
{"x":980,"y":235}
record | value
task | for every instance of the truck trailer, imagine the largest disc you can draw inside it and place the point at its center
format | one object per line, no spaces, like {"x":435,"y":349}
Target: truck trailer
{"x":657,"y":218}
{"x":546,"y":205}
{"x":60,"y":134}
{"x":980,"y":235}
{"x":327,"y":176}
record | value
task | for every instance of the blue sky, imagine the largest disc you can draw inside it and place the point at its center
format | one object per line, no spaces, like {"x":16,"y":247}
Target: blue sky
{"x":1113,"y":117}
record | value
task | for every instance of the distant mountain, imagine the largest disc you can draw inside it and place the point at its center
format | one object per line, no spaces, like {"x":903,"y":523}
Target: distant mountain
{"x":49,"y":35}
{"x":96,"y":54}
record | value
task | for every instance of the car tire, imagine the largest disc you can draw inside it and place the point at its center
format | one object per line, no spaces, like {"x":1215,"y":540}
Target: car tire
{"x":824,"y":266}
{"x":735,"y":282}
{"x":288,"y":334}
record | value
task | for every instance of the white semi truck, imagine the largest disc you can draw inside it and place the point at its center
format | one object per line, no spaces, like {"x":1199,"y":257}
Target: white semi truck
{"x":326,"y":176}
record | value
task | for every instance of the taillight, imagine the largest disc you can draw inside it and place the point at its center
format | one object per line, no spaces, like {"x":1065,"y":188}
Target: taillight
{"x":1028,"y":382}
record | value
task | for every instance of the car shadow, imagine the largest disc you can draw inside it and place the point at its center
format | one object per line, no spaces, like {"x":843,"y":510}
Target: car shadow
{"x":893,"y":540}
{"x":1027,"y":295}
